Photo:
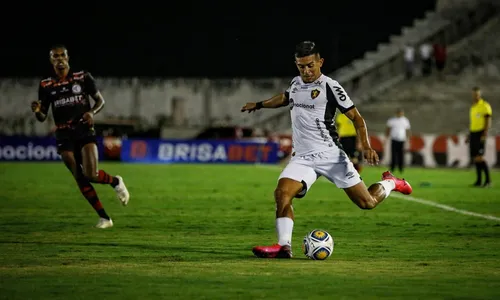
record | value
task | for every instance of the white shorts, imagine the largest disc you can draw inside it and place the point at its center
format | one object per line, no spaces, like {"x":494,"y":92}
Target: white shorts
{"x":308,"y":168}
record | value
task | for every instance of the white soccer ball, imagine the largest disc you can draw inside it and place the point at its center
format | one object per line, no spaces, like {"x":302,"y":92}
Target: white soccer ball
{"x":318,"y":245}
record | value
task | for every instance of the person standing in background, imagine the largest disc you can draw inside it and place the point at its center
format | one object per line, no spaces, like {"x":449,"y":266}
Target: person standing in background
{"x":398,"y":130}
{"x":426,"y":59}
{"x":440,"y":58}
{"x":409,"y":57}
{"x":479,"y":123}
{"x":349,"y":139}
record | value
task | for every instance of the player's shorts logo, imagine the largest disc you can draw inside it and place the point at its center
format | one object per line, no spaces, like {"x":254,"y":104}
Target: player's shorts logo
{"x":77,"y":89}
{"x":314,"y":93}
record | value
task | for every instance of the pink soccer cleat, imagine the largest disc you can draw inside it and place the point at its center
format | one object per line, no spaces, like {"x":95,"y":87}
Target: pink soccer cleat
{"x":274,"y":251}
{"x":402,"y":185}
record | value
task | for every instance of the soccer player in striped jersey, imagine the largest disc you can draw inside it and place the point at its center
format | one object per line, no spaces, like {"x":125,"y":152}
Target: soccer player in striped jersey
{"x":68,"y":93}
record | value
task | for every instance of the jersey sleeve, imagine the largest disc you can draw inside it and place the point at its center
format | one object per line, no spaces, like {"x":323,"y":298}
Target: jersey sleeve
{"x":335,"y":93}
{"x":389,"y":122}
{"x":287,"y":91}
{"x":43,"y":98}
{"x":408,"y":126}
{"x":90,"y":85}
{"x":487,"y":110}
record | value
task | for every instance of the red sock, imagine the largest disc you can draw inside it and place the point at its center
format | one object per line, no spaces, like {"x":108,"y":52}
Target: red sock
{"x":105,"y":178}
{"x":90,"y":194}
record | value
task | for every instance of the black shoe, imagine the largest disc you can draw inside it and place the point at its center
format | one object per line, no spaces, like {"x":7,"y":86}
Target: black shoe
{"x":477,"y":184}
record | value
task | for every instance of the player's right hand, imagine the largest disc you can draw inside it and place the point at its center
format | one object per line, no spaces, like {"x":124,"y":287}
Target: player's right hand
{"x":36,"y":106}
{"x":250,"y":107}
{"x":467,"y":139}
{"x":371,"y":156}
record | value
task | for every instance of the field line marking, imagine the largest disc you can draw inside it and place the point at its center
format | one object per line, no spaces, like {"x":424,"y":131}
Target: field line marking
{"x":418,"y":200}
{"x":445,"y":207}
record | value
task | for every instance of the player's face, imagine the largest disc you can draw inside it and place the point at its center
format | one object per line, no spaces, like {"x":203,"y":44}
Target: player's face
{"x":59,"y":58}
{"x":476,"y":95}
{"x":309,"y":67}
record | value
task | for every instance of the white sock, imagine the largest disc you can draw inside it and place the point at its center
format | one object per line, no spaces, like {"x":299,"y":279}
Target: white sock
{"x":388,"y":185}
{"x":284,"y":228}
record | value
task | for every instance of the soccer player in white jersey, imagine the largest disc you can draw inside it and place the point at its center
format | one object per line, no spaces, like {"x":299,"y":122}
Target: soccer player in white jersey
{"x":313,"y":98}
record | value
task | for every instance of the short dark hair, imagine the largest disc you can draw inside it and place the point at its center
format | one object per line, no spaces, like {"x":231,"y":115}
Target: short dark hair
{"x":306,"y":48}
{"x":476,"y":89}
{"x":58,"y":46}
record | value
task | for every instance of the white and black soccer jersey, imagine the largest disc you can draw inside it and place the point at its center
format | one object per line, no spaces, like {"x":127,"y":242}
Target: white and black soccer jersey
{"x":312,"y":110}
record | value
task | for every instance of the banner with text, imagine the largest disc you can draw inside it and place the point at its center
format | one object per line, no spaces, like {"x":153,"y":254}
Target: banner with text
{"x":195,"y":151}
{"x":21,"y":148}
{"x":437,"y":150}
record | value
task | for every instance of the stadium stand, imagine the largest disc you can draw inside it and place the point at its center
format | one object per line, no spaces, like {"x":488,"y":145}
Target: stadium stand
{"x":442,"y":105}
{"x":203,"y":102}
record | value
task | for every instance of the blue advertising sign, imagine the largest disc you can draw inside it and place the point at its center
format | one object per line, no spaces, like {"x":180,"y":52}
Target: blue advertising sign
{"x":21,"y":148}
{"x":196,"y":151}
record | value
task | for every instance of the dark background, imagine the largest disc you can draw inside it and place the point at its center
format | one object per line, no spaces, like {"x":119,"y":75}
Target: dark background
{"x":195,"y":38}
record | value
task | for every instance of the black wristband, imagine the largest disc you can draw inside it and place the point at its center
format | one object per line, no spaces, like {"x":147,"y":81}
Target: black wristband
{"x":259,"y":105}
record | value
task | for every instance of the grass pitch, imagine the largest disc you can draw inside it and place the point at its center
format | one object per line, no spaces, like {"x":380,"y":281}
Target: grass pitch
{"x":189,"y":229}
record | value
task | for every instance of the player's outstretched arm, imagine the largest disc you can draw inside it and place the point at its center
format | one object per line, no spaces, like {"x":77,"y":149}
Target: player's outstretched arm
{"x":275,"y":102}
{"x":360,"y":124}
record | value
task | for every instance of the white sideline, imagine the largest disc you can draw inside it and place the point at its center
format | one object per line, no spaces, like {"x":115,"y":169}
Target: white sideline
{"x":418,"y":200}
{"x":445,"y":207}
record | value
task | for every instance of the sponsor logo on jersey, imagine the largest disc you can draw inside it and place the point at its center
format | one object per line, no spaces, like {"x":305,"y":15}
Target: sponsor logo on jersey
{"x":315,"y":93}
{"x":341,"y":95}
{"x":301,"y":105}
{"x":73,"y":100}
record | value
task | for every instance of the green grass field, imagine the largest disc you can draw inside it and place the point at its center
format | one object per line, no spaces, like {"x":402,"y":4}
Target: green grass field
{"x":189,"y":229}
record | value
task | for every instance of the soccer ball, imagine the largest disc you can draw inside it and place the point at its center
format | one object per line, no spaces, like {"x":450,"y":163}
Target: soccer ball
{"x":318,"y":245}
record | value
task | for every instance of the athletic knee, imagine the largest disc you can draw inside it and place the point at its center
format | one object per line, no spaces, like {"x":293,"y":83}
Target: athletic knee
{"x":283,"y":195}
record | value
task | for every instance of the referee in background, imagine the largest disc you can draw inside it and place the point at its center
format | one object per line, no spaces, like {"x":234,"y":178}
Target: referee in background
{"x":398,"y":130}
{"x":479,"y":122}
{"x":349,"y":140}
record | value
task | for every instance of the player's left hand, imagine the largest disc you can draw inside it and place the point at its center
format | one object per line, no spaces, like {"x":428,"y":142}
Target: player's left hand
{"x":88,"y":118}
{"x":371,"y":156}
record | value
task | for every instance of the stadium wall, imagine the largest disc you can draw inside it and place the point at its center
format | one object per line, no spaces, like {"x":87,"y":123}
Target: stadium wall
{"x":429,"y":151}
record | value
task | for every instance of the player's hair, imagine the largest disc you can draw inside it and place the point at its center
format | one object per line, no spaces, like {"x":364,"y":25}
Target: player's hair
{"x":306,"y":48}
{"x":57,"y":46}
{"x":476,"y":89}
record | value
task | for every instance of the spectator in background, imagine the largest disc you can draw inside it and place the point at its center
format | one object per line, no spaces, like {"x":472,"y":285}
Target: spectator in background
{"x":426,"y":58}
{"x":439,"y":58}
{"x":409,"y":57}
{"x":398,"y":130}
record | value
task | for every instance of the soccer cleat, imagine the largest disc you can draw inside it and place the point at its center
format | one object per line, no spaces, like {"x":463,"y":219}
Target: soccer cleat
{"x":122,"y":192}
{"x":104,"y":223}
{"x":274,"y":251}
{"x":401,"y":185}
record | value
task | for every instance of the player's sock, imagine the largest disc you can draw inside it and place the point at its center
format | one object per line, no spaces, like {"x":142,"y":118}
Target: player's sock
{"x":486,"y":170}
{"x":388,"y":186}
{"x":90,"y":194}
{"x":479,"y":172}
{"x":105,"y":178}
{"x":284,"y":227}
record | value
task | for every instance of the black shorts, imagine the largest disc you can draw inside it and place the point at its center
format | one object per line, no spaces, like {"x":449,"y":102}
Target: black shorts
{"x":74,"y":140}
{"x":440,"y":65}
{"x":476,"y":144}
{"x":349,"y":146}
